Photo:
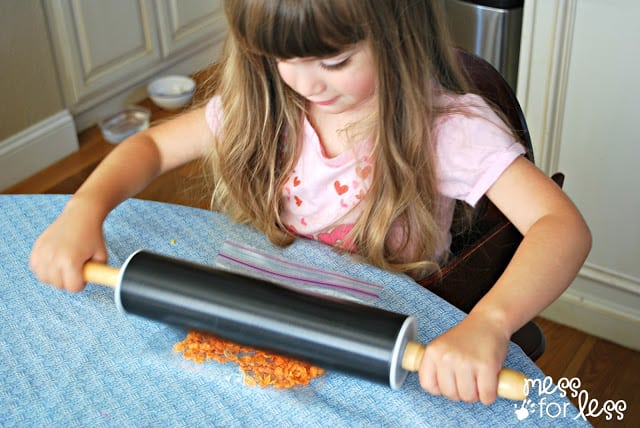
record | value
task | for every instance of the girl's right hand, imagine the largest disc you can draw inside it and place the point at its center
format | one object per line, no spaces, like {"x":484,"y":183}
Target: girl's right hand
{"x":59,"y":254}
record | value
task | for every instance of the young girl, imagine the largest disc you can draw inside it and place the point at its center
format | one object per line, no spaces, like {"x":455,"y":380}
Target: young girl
{"x":348,"y":122}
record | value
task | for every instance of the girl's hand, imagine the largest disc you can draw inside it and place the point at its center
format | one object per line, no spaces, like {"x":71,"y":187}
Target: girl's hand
{"x":74,"y":238}
{"x":464,"y":362}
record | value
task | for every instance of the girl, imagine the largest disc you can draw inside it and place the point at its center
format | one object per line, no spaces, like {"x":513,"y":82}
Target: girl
{"x":347,"y":121}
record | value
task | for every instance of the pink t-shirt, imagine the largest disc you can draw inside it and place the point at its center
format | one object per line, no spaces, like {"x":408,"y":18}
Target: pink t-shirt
{"x":322,"y":195}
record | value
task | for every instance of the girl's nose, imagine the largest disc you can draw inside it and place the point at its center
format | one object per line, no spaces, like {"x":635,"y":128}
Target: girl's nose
{"x":309,"y":84}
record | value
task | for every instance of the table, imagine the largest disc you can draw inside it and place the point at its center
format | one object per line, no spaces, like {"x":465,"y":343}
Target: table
{"x":75,"y":360}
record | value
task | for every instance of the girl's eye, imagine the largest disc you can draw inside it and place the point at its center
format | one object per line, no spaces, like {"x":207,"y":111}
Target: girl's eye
{"x":335,"y":65}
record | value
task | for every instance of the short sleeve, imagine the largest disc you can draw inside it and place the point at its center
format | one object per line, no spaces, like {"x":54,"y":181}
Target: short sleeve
{"x":473,"y":148}
{"x":213,"y":114}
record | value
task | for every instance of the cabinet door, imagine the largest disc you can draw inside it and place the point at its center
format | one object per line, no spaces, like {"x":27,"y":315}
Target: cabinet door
{"x":100,"y":45}
{"x":187,"y":25}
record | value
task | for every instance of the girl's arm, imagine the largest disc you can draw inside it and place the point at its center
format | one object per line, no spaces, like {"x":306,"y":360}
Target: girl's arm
{"x":143,"y":157}
{"x":76,"y":236}
{"x":556,"y":243}
{"x":463,"y":363}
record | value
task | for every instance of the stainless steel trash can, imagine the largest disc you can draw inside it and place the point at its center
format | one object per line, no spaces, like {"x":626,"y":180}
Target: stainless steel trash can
{"x":489,"y":28}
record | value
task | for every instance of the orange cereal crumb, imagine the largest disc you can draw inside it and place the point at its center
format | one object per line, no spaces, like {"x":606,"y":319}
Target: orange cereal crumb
{"x":259,"y":368}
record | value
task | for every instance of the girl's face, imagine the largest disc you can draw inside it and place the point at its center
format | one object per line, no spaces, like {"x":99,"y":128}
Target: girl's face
{"x":342,"y":83}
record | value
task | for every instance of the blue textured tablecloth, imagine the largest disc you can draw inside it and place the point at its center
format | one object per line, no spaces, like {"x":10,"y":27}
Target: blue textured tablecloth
{"x":75,"y":361}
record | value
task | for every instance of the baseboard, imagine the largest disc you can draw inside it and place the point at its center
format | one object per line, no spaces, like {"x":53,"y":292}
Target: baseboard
{"x":37,"y":147}
{"x":605,"y":310}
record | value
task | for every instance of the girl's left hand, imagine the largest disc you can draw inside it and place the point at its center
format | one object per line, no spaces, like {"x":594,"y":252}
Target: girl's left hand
{"x":464,"y":362}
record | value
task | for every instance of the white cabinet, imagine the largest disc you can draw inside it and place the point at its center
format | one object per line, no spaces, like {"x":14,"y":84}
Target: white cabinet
{"x":105,"y":49}
{"x":184,"y":24}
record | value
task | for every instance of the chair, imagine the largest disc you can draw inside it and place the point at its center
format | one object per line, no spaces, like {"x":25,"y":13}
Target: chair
{"x":480,"y":255}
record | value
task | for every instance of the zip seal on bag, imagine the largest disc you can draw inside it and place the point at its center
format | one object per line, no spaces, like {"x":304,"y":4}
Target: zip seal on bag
{"x":256,"y":264}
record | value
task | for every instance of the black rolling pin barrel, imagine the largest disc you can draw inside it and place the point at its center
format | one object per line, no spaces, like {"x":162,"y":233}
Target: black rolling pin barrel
{"x":365,"y":341}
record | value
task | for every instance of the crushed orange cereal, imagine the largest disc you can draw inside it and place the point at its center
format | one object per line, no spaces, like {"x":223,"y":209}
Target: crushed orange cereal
{"x":259,"y":368}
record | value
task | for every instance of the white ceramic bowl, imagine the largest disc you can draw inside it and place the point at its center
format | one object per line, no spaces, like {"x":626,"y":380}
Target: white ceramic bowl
{"x":171,"y":92}
{"x":125,"y":123}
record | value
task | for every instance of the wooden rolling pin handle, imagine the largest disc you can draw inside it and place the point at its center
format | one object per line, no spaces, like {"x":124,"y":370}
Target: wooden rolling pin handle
{"x":511,"y":384}
{"x":102,"y":274}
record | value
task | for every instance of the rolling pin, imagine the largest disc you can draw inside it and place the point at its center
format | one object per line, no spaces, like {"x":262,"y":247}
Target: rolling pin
{"x":357,"y":339}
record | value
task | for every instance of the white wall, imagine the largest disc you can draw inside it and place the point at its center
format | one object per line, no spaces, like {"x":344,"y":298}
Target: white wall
{"x":35,"y":127}
{"x":580,"y":65}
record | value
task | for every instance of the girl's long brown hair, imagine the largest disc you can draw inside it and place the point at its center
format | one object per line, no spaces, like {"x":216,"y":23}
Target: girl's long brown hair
{"x":251,"y":159}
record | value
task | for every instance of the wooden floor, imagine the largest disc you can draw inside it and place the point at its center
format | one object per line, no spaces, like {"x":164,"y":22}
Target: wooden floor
{"x":607,"y":371}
